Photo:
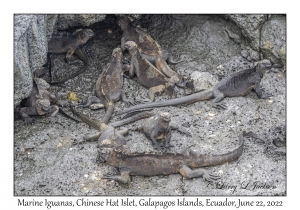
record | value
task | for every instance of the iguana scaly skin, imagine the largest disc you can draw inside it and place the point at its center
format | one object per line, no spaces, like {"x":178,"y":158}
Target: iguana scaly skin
{"x":70,"y":45}
{"x":236,"y":84}
{"x":147,"y":74}
{"x":166,"y":163}
{"x":107,"y":132}
{"x":150,"y":48}
{"x":109,"y":85}
{"x":39,"y":103}
{"x":159,"y":128}
{"x":113,"y":151}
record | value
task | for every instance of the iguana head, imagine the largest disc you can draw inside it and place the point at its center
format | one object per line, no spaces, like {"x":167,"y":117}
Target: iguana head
{"x":41,"y":83}
{"x":165,"y":119}
{"x":123,"y":22}
{"x":131,"y":47}
{"x":262,"y":66}
{"x":44,"y":104}
{"x":117,"y":52}
{"x":83,"y":35}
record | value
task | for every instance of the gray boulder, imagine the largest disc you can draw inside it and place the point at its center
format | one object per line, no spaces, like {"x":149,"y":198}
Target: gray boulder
{"x":250,"y":26}
{"x":202,"y":81}
{"x":80,"y":20}
{"x":273,"y":40}
{"x":30,"y":44}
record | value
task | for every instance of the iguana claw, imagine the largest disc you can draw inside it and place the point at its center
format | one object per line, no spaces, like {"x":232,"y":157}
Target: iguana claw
{"x":267,"y":95}
{"x":219,"y":105}
{"x":76,"y":142}
{"x":210,"y":177}
{"x":159,"y":147}
{"x":130,"y":102}
{"x":143,"y":100}
{"x":52,"y":120}
{"x":28,"y":120}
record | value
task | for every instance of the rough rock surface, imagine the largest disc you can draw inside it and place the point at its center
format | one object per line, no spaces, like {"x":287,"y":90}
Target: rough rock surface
{"x":30,"y":44}
{"x":273,"y":40}
{"x":202,"y":80}
{"x":78,"y":20}
{"x":31,"y":36}
{"x":50,"y":25}
{"x":250,"y":26}
{"x":46,"y":163}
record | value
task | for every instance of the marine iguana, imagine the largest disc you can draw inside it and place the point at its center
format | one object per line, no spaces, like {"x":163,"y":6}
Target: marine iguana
{"x":157,"y":128}
{"x":70,"y":45}
{"x":110,"y":82}
{"x":150,"y":48}
{"x":166,"y":163}
{"x":107,"y":131}
{"x":38,"y":103}
{"x":237,"y":84}
{"x":113,"y":151}
{"x":147,"y":74}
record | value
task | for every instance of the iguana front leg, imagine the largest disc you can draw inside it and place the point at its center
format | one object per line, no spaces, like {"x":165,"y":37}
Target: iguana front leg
{"x":69,"y":55}
{"x":181,"y":130}
{"x":53,"y":110}
{"x":123,"y":178}
{"x":219,"y":96}
{"x":133,"y":65}
{"x":91,"y":100}
{"x":156,"y":90}
{"x":188,"y":173}
{"x":168,"y":139}
{"x":154,"y":142}
{"x":126,"y":100}
{"x":55,"y":100}
{"x":25,"y":112}
{"x":170,"y":58}
{"x":123,"y":41}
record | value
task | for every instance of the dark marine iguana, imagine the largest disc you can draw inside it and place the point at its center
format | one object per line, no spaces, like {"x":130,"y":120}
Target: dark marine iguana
{"x":150,"y":48}
{"x":70,"y":45}
{"x":113,"y":151}
{"x":148,"y":75}
{"x":157,"y":128}
{"x":109,"y":84}
{"x":39,"y":103}
{"x":237,"y":84}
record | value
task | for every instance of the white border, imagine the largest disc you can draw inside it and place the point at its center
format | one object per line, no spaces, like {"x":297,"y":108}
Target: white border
{"x":214,"y":7}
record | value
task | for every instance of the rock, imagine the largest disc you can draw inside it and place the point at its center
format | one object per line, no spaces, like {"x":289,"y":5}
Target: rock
{"x":202,"y":81}
{"x":250,"y":54}
{"x":78,"y":20}
{"x":30,"y":43}
{"x":213,"y":131}
{"x":273,"y":40}
{"x":42,"y":83}
{"x":50,"y":21}
{"x":250,"y":26}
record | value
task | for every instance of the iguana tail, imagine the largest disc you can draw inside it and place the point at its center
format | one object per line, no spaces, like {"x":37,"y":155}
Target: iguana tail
{"x":133,"y":118}
{"x":86,"y":63}
{"x":67,"y":115}
{"x":200,"y":96}
{"x":71,"y":76}
{"x":211,"y":160}
{"x":91,"y":122}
